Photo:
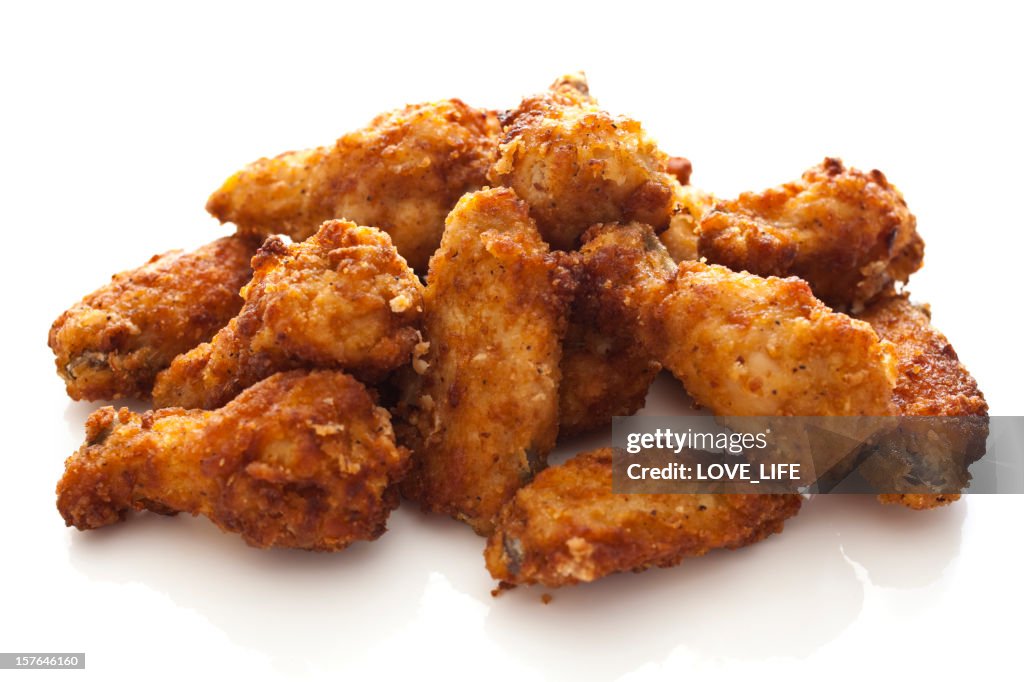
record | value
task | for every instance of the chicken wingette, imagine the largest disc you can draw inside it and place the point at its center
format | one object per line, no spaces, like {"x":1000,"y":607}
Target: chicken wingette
{"x":114,"y":342}
{"x":484,"y":410}
{"x":403,"y":172}
{"x":567,"y":526}
{"x":342,"y":299}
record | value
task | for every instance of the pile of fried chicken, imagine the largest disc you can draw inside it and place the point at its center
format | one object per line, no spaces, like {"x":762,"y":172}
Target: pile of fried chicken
{"x":305,"y":378}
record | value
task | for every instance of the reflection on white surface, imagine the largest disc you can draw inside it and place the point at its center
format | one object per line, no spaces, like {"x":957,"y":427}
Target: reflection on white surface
{"x":784,"y":597}
{"x":298,"y":608}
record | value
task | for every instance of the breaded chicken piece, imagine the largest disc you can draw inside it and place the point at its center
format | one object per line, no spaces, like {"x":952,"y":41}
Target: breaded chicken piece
{"x":576,"y":165}
{"x":298,"y":460}
{"x":931,"y":382}
{"x":113,"y":342}
{"x":486,"y":413}
{"x":605,"y":373}
{"x":689,"y":205}
{"x":741,"y":344}
{"x":567,"y":526}
{"x":343,"y":299}
{"x":403,"y":173}
{"x":848,"y":233}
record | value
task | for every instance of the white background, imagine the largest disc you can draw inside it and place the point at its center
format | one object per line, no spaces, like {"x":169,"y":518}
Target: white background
{"x":117,"y":121}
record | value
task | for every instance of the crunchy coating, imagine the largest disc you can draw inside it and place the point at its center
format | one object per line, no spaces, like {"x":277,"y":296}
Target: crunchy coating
{"x":605,"y":372}
{"x":485,"y":414}
{"x":576,"y":165}
{"x":298,"y":460}
{"x":848,"y":233}
{"x":113,"y":342}
{"x":931,"y":382}
{"x":680,"y":168}
{"x":567,"y":526}
{"x":741,"y":344}
{"x":403,"y":172}
{"x":342,"y":299}
{"x":689,"y":206}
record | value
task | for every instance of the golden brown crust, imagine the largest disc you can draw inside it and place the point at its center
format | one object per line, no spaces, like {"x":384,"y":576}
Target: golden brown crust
{"x":567,"y":526}
{"x":486,"y":413}
{"x":605,"y":372}
{"x":576,"y":165}
{"x":403,"y":173}
{"x":931,"y":382}
{"x":931,"y":379}
{"x":298,"y":460}
{"x":919,"y":502}
{"x":681,"y":168}
{"x":343,"y":299}
{"x":848,"y":233}
{"x":113,"y":342}
{"x":604,"y":375}
{"x":741,"y":344}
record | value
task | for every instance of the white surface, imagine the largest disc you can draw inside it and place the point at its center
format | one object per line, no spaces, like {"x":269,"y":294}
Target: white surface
{"x":118,"y":121}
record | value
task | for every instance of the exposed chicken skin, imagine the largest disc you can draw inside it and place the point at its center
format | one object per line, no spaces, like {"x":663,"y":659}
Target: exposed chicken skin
{"x":403,"y":173}
{"x":931,"y":382}
{"x":848,"y":233}
{"x":576,"y":165}
{"x":298,"y":460}
{"x":567,"y":526}
{"x":484,"y":414}
{"x":114,"y":341}
{"x":343,"y":299}
{"x":741,"y":344}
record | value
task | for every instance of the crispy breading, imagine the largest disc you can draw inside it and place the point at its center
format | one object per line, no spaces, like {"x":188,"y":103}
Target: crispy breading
{"x":342,"y":299}
{"x":931,"y":379}
{"x":603,"y":376}
{"x":690,"y":204}
{"x":403,"y":172}
{"x":680,"y":168}
{"x":931,"y":382}
{"x":113,"y":342}
{"x":605,"y":372}
{"x":741,"y":344}
{"x":848,"y":233}
{"x":486,"y":413}
{"x":576,"y":165}
{"x":567,"y":526}
{"x":298,"y":460}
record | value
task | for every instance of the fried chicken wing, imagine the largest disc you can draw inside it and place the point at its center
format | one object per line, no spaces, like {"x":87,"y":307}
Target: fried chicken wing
{"x":741,"y":344}
{"x":567,"y":526}
{"x":298,"y":460}
{"x":848,"y":233}
{"x":931,"y":382}
{"x":486,"y":413}
{"x":113,"y":342}
{"x":403,"y":172}
{"x":343,"y":299}
{"x":576,"y":165}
